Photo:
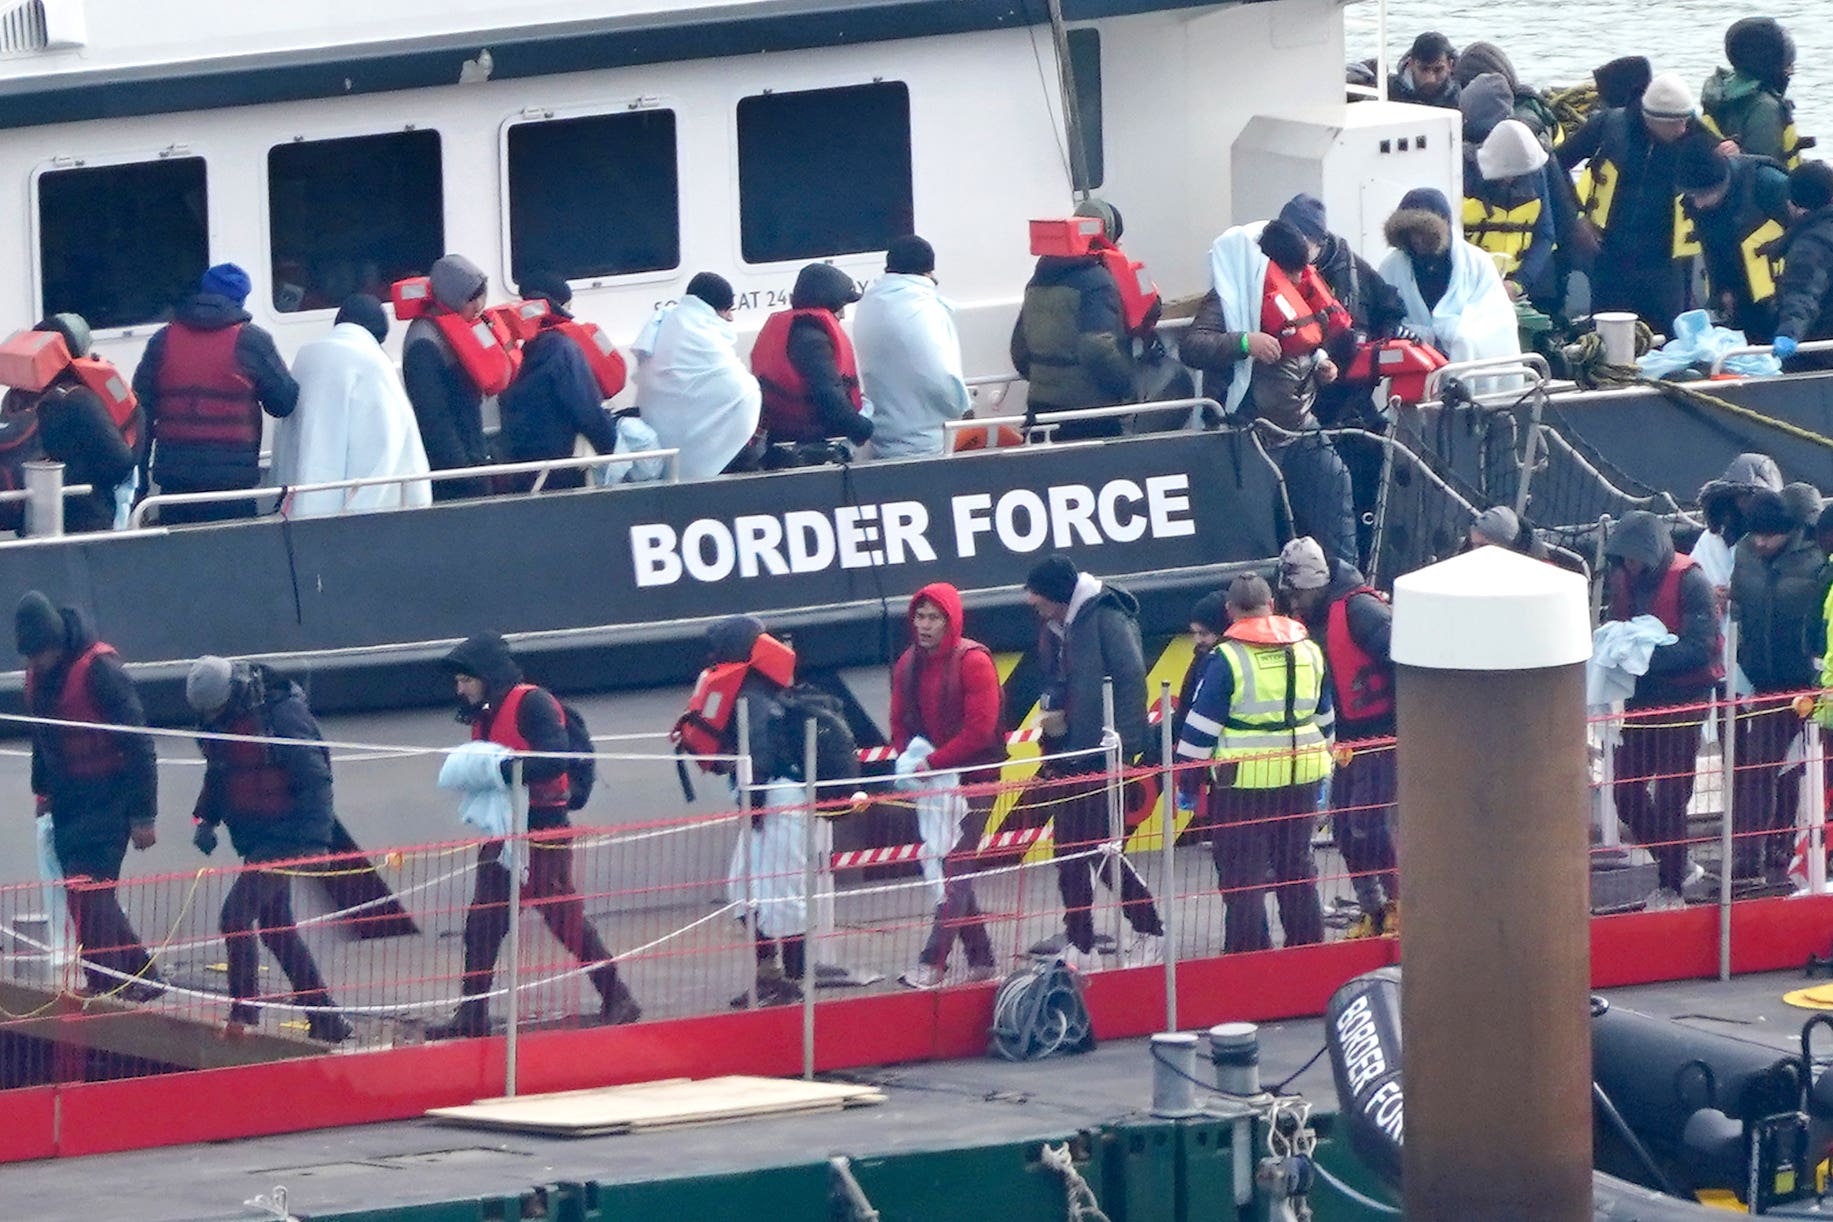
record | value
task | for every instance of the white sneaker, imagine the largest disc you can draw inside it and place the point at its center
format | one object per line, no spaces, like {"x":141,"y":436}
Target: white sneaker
{"x":1144,"y":950}
{"x":1083,"y":962}
{"x":922,"y":976}
{"x":1663,"y":899}
{"x":977,"y":972}
{"x":1695,"y":872}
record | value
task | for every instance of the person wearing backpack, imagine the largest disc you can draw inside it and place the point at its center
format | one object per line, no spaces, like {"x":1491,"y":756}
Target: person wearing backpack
{"x":749,"y":667}
{"x":500,"y":707}
{"x":276,"y":802}
{"x":1090,"y":634}
{"x":74,"y":427}
{"x":946,"y":707}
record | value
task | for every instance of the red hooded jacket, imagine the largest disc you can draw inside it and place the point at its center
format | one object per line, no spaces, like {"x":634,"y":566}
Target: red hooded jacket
{"x":949,"y":695}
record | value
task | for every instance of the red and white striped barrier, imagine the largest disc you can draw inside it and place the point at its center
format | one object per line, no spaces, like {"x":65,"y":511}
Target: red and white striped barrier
{"x":1030,"y":734}
{"x":998,"y":842}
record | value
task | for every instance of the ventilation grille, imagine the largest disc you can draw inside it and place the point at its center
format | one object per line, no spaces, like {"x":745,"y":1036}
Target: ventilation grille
{"x":22,"y":29}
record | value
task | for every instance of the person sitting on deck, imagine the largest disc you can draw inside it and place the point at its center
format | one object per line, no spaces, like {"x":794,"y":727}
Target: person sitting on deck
{"x":555,"y":399}
{"x":691,"y":386}
{"x":806,"y":365}
{"x":909,"y":354}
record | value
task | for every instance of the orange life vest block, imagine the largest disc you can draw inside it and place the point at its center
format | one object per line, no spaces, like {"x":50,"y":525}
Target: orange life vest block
{"x":1404,"y":362}
{"x":1080,"y":236}
{"x":701,"y":730}
{"x":484,"y":347}
{"x":528,"y":319}
{"x":31,"y":360}
{"x":1300,"y":313}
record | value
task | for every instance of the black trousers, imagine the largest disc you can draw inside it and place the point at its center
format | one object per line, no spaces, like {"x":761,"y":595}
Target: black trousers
{"x":1764,"y":797}
{"x":1363,"y":825}
{"x":1079,"y":811}
{"x":263,"y":900}
{"x":550,"y":891}
{"x":1263,"y":835}
{"x":107,"y":937}
{"x":1654,"y":783}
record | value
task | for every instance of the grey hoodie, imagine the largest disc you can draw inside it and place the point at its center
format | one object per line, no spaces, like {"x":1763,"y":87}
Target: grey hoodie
{"x":1747,"y":473}
{"x":1677,"y":673}
{"x":456,"y":280}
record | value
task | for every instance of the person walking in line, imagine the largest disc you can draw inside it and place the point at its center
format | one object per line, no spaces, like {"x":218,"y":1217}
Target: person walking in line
{"x":1665,"y":719}
{"x":100,"y":787}
{"x":1264,"y":715}
{"x":945,"y":718}
{"x":502,"y":708}
{"x":276,"y":802}
{"x":1089,"y":635}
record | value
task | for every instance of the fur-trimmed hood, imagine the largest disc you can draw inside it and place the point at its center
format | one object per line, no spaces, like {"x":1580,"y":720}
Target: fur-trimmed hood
{"x":1409,"y":229}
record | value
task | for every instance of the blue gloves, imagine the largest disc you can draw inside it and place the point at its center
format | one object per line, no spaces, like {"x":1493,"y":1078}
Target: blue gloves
{"x":1785,"y":346}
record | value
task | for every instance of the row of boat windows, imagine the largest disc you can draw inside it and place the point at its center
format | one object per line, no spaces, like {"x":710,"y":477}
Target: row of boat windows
{"x":821,"y":173}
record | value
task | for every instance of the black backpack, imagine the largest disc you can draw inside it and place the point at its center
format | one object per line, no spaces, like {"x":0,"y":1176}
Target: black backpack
{"x":581,"y":774}
{"x":836,"y":750}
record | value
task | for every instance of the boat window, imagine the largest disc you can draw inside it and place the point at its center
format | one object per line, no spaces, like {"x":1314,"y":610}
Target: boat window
{"x":824,"y":171}
{"x":1085,"y":66}
{"x":119,"y":244}
{"x":352,"y":215}
{"x":594,"y":196}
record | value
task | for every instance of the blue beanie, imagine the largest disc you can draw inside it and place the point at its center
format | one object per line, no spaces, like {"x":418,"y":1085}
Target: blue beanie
{"x":1305,"y":213}
{"x":226,"y":280}
{"x":1427,"y":199}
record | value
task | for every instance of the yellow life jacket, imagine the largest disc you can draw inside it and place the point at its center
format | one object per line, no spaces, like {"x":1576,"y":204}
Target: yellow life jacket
{"x":1502,"y":232}
{"x":1760,"y":269}
{"x":1271,"y":733}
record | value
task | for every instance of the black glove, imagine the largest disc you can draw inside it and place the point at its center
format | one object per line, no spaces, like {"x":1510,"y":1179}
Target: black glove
{"x":205,"y":838}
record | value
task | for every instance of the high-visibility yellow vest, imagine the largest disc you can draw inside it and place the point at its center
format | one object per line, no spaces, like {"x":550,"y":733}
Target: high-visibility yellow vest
{"x":1271,"y":733}
{"x":1505,"y":233}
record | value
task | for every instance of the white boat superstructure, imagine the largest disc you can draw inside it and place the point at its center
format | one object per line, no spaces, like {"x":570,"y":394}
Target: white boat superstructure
{"x":626,"y":145}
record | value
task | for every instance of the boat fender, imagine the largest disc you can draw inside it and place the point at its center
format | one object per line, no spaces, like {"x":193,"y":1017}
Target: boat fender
{"x":1362,"y":1032}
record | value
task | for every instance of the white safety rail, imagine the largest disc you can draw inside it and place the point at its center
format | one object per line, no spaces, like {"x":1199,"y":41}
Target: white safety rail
{"x":1807,"y":346}
{"x":1046,"y":423}
{"x":540,"y":469}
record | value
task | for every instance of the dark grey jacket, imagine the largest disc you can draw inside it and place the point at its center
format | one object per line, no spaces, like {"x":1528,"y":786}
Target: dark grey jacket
{"x":1100,"y":640}
{"x":1776,"y":604}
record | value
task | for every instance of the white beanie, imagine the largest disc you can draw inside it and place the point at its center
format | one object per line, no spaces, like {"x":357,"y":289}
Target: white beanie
{"x":1668,"y":96}
{"x":1510,"y":151}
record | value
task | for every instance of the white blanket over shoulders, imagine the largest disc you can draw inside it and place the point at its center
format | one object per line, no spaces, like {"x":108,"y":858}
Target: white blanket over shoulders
{"x":1238,"y":273}
{"x":693,"y":389}
{"x":1473,"y":320}
{"x":909,"y":364}
{"x":353,"y":422}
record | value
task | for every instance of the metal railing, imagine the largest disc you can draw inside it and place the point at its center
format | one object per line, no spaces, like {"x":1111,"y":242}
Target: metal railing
{"x":1527,"y":362}
{"x":1047,"y":422}
{"x":1810,"y":346}
{"x":541,"y":469}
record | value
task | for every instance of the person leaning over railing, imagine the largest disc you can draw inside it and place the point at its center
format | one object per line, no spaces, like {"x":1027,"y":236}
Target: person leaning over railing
{"x":101,"y":789}
{"x":276,"y":802}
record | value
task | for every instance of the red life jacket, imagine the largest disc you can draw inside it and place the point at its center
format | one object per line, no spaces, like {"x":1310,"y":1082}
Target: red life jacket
{"x":115,"y":392}
{"x":1665,"y":606}
{"x":80,"y":753}
{"x":1301,"y":314}
{"x":542,"y":795}
{"x":905,"y":675}
{"x":255,"y":784}
{"x":788,"y":411}
{"x":1139,"y":303}
{"x":1362,"y":684}
{"x":1405,"y":363}
{"x":701,"y":730}
{"x":602,"y":356}
{"x":204,"y":397}
{"x":484,"y":348}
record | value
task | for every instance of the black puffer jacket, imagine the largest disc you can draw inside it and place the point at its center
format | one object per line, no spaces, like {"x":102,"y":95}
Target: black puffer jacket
{"x":1101,"y":640}
{"x":1071,"y":344}
{"x":1645,"y":538}
{"x":269,"y":704}
{"x":554,"y":400}
{"x":448,"y":407}
{"x":1774,"y":600}
{"x":1804,"y":295}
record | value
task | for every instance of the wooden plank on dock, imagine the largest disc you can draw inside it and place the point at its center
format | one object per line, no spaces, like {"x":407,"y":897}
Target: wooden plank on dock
{"x":144,"y":1032}
{"x":652,"y":1105}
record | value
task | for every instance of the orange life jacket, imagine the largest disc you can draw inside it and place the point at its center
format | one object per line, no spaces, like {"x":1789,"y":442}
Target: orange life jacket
{"x":1301,"y":314}
{"x":1362,"y":683}
{"x":701,"y":730}
{"x":789,"y":413}
{"x":484,"y":347}
{"x":1139,"y":302}
{"x":80,"y":752}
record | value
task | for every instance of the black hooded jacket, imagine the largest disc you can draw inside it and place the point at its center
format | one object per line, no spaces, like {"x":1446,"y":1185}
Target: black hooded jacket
{"x":730,"y":640}
{"x":1645,"y":538}
{"x":75,"y":429}
{"x":205,"y":467}
{"x":90,"y":815}
{"x":1776,"y":603}
{"x":540,"y":719}
{"x":1371,"y":626}
{"x":821,"y":286}
{"x":279,"y":711}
